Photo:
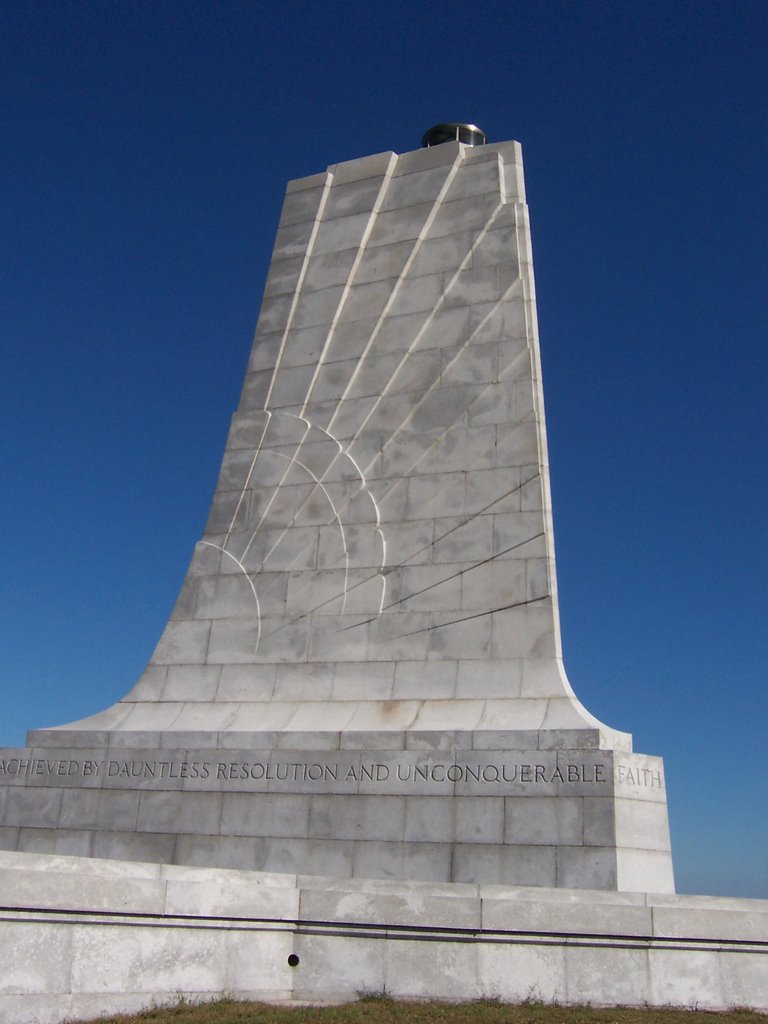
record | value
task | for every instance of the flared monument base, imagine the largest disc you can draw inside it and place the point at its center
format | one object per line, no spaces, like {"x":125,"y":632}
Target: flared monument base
{"x":362,"y":676}
{"x":542,"y":808}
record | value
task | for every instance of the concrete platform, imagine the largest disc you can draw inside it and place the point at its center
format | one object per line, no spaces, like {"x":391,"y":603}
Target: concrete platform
{"x":84,"y":937}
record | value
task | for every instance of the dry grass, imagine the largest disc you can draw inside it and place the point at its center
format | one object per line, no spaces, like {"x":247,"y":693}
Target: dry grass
{"x":382,"y":1010}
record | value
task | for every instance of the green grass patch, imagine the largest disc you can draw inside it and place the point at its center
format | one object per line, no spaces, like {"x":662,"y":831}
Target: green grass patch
{"x":378,"y":1008}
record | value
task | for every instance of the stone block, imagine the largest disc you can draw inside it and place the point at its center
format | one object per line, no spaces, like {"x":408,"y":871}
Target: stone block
{"x":239,"y":898}
{"x":32,"y":808}
{"x":192,"y":682}
{"x":359,"y":968}
{"x":248,"y":814}
{"x":341,"y":233}
{"x":424,"y":159}
{"x":489,"y":678}
{"x":690,"y":981}
{"x":429,"y":862}
{"x":587,"y":867}
{"x":517,"y":974}
{"x":348,"y":198}
{"x":626,"y":983}
{"x":429,"y":820}
{"x":544,"y":916}
{"x":519,"y":865}
{"x":451,"y":970}
{"x":744,"y":979}
{"x":29,"y":972}
{"x":98,"y":809}
{"x":362,"y":168}
{"x":546,"y":821}
{"x":358,"y":817}
{"x":157,"y":848}
{"x":182,"y":643}
{"x":479,"y":821}
{"x":142,"y":961}
{"x":303,"y":205}
{"x":164,"y":813}
{"x":232,"y":852}
{"x":434,"y":679}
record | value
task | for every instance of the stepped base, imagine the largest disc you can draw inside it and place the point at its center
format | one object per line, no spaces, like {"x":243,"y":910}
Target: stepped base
{"x":204,"y":934}
{"x":541,"y":808}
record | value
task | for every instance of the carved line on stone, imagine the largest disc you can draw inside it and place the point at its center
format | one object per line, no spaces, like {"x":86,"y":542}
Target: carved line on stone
{"x":447,"y":533}
{"x":428,"y":320}
{"x":317,"y":484}
{"x":467,"y":618}
{"x":318,"y":481}
{"x":462,"y":572}
{"x":337,"y":315}
{"x":469,"y":519}
{"x":347,"y":588}
{"x":330,"y":600}
{"x":438,"y":305}
{"x":308,"y":427}
{"x":383,"y":608}
{"x":244,"y":571}
{"x":450,"y":175}
{"x":300,"y":282}
{"x":296,"y":462}
{"x":354,"y":586}
{"x":248,"y":477}
{"x":423,"y":234}
{"x":436,"y":383}
{"x":510,"y":366}
{"x":361,"y":249}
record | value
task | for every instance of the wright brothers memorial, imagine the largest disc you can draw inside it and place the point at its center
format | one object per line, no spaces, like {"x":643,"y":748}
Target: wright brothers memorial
{"x":362,"y":675}
{"x":362,"y":678}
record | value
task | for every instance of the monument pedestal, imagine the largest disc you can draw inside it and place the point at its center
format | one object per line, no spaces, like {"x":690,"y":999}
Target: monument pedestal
{"x":363,"y":674}
{"x":436,"y":807}
{"x":204,"y":934}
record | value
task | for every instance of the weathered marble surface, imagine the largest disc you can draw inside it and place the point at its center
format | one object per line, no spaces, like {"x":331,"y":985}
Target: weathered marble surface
{"x":83,"y":938}
{"x":376,"y":580}
{"x":379,"y":551}
{"x":590,"y":818}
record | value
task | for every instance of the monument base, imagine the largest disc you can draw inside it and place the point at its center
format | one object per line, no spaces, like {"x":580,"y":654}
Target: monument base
{"x":203,"y":934}
{"x":538,"y":808}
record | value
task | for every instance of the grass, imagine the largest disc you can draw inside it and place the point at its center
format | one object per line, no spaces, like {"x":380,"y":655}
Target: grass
{"x":380,"y":1009}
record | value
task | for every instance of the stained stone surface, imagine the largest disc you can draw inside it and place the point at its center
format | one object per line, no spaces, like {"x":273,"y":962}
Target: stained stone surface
{"x":363,"y":672}
{"x":76,"y":943}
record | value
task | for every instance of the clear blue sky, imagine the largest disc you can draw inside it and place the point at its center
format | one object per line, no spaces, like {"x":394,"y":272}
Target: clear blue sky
{"x":146,"y":149}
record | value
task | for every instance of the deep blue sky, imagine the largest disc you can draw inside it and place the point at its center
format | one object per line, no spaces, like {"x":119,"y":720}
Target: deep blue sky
{"x":146,"y":149}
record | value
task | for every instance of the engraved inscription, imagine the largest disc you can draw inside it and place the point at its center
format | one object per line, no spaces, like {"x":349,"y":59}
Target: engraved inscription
{"x":345,"y":772}
{"x":502,"y":773}
{"x":36,"y":766}
{"x":628,"y":776}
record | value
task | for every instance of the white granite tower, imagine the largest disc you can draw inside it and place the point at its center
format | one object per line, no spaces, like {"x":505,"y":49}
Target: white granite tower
{"x":363,"y":675}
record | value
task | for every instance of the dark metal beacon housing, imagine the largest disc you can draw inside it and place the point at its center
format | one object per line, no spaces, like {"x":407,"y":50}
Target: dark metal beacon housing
{"x":454,"y":131}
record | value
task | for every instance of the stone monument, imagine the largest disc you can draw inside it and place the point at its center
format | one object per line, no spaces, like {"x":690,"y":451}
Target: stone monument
{"x":362,"y":676}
